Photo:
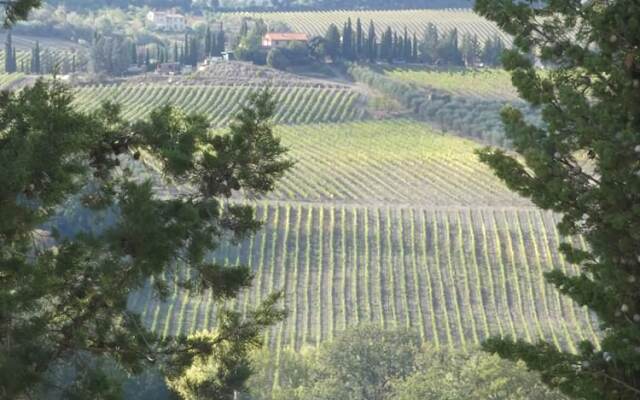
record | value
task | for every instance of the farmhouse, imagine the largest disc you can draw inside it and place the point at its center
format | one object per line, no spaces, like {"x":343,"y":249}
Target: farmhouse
{"x":167,"y":20}
{"x":273,"y":39}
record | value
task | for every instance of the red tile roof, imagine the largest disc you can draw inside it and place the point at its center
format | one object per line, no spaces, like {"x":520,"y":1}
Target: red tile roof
{"x":273,"y":36}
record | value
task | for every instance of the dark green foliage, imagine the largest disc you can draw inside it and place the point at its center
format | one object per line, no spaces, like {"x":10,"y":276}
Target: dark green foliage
{"x":492,"y":51}
{"x":370,"y":363}
{"x":583,"y":163}
{"x":64,"y":294}
{"x":110,"y":54}
{"x":10,"y":65}
{"x":332,"y":42}
{"x":250,"y":46}
{"x":481,"y":117}
{"x":394,"y":46}
{"x":429,"y":45}
{"x":17,"y":10}
{"x":348,"y":51}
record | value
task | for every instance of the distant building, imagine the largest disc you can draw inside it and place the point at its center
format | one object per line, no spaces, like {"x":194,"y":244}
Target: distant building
{"x":167,"y":20}
{"x":272,"y":40}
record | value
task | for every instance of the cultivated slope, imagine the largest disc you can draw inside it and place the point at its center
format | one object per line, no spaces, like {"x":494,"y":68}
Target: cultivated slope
{"x":418,"y":233}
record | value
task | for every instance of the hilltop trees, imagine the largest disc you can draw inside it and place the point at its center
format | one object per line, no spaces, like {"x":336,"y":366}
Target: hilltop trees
{"x":583,"y":163}
{"x":64,"y":294}
{"x":433,"y":47}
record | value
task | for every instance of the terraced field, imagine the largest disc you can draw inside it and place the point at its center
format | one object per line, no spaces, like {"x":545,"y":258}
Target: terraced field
{"x":295,"y":104}
{"x":316,"y":22}
{"x":464,"y":263}
{"x":476,"y":83}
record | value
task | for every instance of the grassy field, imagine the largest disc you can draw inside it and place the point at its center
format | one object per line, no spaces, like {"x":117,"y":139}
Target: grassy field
{"x":220,"y":103}
{"x":317,"y":22}
{"x":458,"y":269}
{"x":475,"y":83}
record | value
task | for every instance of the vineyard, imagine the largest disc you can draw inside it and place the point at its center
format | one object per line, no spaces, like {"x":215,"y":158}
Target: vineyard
{"x":393,"y":161}
{"x":296,"y":105}
{"x":316,"y":23}
{"x":479,"y":83}
{"x":456,"y":275}
{"x":7,"y":79}
{"x":393,"y":224}
{"x":50,"y":58}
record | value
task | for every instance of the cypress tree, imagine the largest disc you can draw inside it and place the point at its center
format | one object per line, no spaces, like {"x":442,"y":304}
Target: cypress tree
{"x":208,"y":49}
{"x":221,"y":40}
{"x":194,"y":48}
{"x":186,"y":52}
{"x":387,"y":46}
{"x":134,"y":54}
{"x":332,"y":42}
{"x":347,"y":40}
{"x":406,"y":54}
{"x":397,"y":46}
{"x":359,"y":39}
{"x":244,"y":29}
{"x":9,"y":54}
{"x":36,"y":59}
{"x":372,"y":48}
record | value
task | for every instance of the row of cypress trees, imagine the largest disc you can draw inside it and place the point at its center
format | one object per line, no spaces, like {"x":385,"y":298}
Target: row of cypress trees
{"x":433,"y":47}
{"x":11,"y":59}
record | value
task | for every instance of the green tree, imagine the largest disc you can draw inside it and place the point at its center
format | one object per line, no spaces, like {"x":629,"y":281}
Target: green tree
{"x":10,"y":65}
{"x":332,"y":42}
{"x":277,"y":58}
{"x":347,"y":41}
{"x":370,"y":363}
{"x":221,"y":40}
{"x":429,"y":44}
{"x":208,"y":42}
{"x":449,"y":48}
{"x":492,"y":51}
{"x":250,"y":46}
{"x":387,"y":46}
{"x":470,"y":49}
{"x":583,"y":163}
{"x":359,"y":43}
{"x":372,"y":43}
{"x":17,"y":10}
{"x":64,"y":293}
{"x":451,"y":375}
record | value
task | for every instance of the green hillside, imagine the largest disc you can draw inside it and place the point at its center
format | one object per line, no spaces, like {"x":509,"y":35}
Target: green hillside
{"x":464,"y":263}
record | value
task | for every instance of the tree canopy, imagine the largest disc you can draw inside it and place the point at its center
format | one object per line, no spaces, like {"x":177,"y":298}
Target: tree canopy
{"x":584,"y":163}
{"x":64,"y":293}
{"x":371,"y":363}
